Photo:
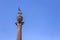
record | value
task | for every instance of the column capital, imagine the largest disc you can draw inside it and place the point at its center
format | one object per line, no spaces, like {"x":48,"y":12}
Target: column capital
{"x":19,"y":23}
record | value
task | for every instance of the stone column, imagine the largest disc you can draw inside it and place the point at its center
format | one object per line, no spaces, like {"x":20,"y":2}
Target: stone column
{"x":19,"y":24}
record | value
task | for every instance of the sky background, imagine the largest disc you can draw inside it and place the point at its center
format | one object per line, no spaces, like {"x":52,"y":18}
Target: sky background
{"x":41,"y":19}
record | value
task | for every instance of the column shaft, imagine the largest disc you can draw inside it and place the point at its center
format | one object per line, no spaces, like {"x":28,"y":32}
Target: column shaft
{"x":19,"y":33}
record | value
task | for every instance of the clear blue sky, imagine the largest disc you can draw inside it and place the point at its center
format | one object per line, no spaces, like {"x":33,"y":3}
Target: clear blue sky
{"x":41,"y":17}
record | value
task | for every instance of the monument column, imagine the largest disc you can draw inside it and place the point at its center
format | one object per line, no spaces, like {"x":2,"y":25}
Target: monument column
{"x":19,"y":24}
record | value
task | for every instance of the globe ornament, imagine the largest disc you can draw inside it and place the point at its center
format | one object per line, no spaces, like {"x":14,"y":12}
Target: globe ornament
{"x":19,"y":19}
